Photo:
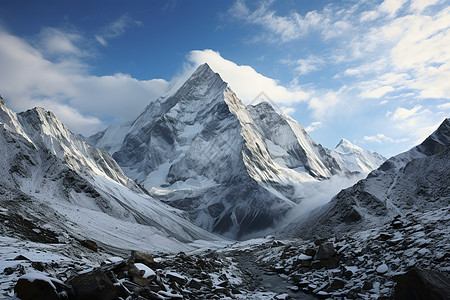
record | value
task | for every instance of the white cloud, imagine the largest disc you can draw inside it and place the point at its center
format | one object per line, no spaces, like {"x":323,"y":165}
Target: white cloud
{"x":378,"y":92}
{"x":245,"y":81}
{"x":307,"y":65}
{"x":368,"y":16}
{"x":81,"y":100}
{"x":54,"y":41}
{"x":116,"y":29}
{"x":313,"y":126}
{"x":391,"y":6}
{"x":420,"y":5}
{"x":283,"y":28}
{"x":379,"y":138}
{"x":403,"y":113}
{"x":444,"y":106}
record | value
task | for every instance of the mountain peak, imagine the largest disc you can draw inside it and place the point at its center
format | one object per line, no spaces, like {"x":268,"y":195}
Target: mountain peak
{"x":344,"y":142}
{"x":438,"y":140}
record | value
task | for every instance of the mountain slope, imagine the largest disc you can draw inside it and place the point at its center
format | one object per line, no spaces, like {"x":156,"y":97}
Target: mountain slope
{"x":412,"y":182}
{"x":52,"y":177}
{"x":237,"y":170}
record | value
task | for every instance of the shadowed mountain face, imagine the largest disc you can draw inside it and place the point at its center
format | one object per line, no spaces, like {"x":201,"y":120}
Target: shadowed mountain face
{"x":412,"y":182}
{"x":237,"y":170}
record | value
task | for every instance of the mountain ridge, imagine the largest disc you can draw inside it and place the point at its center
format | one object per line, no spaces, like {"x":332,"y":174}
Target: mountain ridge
{"x":200,"y":149}
{"x":417,"y":179}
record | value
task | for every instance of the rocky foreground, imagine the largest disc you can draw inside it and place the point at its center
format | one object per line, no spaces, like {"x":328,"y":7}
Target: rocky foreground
{"x":406,"y":258}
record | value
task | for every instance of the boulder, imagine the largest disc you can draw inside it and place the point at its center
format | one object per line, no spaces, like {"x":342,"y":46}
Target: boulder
{"x":337,"y":284}
{"x":36,"y":286}
{"x":93,"y":285}
{"x":418,"y":284}
{"x":90,"y":245}
{"x":310,"y":252}
{"x":143,"y":258}
{"x":325,"y":251}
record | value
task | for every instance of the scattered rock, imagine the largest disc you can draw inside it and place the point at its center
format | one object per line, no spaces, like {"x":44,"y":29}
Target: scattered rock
{"x":383,"y":268}
{"x":181,"y":280}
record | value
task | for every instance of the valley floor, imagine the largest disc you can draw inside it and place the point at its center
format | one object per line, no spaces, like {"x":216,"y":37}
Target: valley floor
{"x":364,"y":265}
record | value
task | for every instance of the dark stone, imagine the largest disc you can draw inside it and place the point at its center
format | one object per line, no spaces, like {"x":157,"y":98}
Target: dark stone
{"x":223,"y":284}
{"x":195,"y":284}
{"x":418,"y":284}
{"x":40,"y":289}
{"x":310,"y":252}
{"x":38,"y":265}
{"x":316,"y":264}
{"x":385,"y":236}
{"x":331,"y":263}
{"x":20,"y":257}
{"x":325,"y":251}
{"x":397,"y":224}
{"x":93,"y":285}
{"x":367,"y":285}
{"x":337,"y":284}
{"x":347,"y":274}
{"x":144,"y":258}
{"x":90,"y":245}
{"x":176,"y":278}
{"x":8,"y":271}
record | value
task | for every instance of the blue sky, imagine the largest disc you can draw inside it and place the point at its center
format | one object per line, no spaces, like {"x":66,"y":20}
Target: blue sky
{"x":374,"y":72}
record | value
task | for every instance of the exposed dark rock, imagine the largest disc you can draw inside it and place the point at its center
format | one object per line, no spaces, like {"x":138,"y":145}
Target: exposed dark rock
{"x":90,"y":245}
{"x":20,"y":257}
{"x":422,"y":284}
{"x":337,"y":284}
{"x":325,"y":251}
{"x":94,"y":285}
{"x":40,"y":288}
{"x":144,"y":258}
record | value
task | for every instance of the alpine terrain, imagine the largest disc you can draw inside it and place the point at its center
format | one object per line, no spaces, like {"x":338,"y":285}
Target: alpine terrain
{"x":53,"y":179}
{"x":137,"y":220}
{"x":415,"y":181}
{"x":236,"y":169}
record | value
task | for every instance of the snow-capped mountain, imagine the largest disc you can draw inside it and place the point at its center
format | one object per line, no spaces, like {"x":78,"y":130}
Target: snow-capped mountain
{"x":355,"y":159}
{"x":237,"y":170}
{"x":53,"y":178}
{"x":412,"y":182}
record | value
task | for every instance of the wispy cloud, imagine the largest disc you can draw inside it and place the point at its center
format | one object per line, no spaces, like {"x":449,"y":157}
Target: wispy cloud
{"x":313,"y":126}
{"x":306,"y":65}
{"x":116,"y":29}
{"x":278,"y":28}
